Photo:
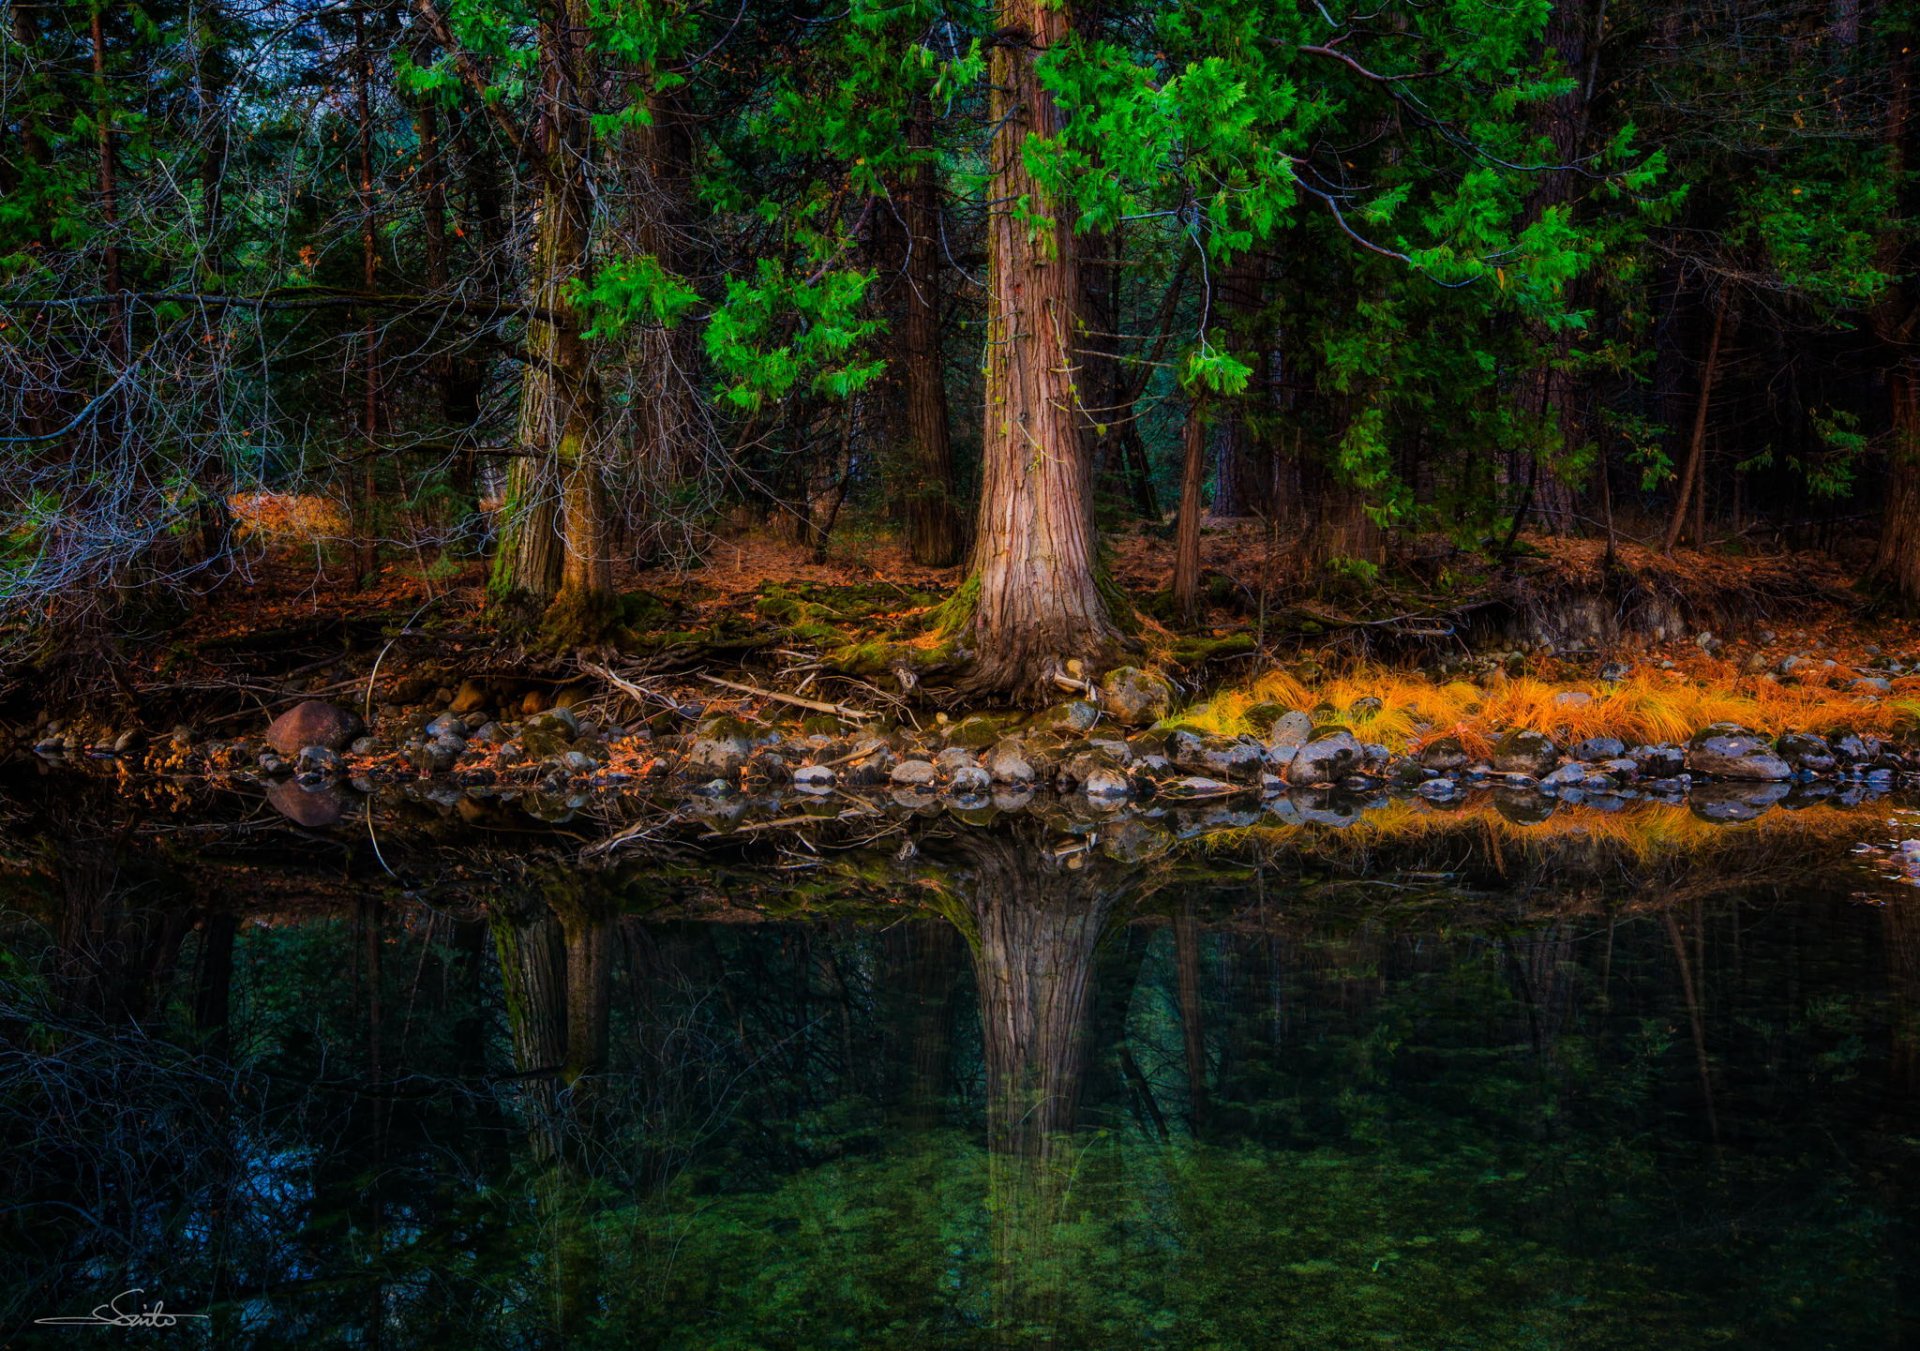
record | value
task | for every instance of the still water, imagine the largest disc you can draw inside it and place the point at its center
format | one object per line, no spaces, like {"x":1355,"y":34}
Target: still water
{"x":943,"y":1084}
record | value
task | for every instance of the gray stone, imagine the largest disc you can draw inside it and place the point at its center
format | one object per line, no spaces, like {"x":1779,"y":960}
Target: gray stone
{"x":914,"y":774}
{"x":1330,"y":756}
{"x":969,"y":779}
{"x":1008,"y":766}
{"x":720,"y":747}
{"x":1444,"y":755}
{"x":1599,"y":748}
{"x":1728,"y":751}
{"x":446,"y":725}
{"x":1193,"y":786}
{"x":318,"y":760}
{"x":1806,"y":752}
{"x":1438,"y":790}
{"x":1107,"y":785}
{"x":1217,"y":757}
{"x":1290,"y":731}
{"x":1524,"y":751}
{"x":1615,"y":671}
{"x":813,"y":778}
{"x":1136,"y":698}
{"x":1569,"y":775}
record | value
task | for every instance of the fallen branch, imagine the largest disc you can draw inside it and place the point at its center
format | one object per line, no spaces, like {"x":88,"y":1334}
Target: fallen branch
{"x":816,"y":705}
{"x":627,"y":687}
{"x":789,"y":821}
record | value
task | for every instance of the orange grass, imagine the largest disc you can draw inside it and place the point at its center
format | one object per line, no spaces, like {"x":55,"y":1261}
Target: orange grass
{"x":1649,"y":706}
{"x":1647,"y":831}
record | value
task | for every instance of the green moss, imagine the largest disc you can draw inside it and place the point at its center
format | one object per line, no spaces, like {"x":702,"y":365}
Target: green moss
{"x":1194,"y":651}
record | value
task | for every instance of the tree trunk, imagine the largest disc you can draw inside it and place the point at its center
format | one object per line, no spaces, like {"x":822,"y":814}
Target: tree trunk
{"x":1897,"y":562}
{"x":1193,"y":484}
{"x":566,"y":561}
{"x":1039,"y":602}
{"x":933,"y":511}
{"x":1696,"y":446}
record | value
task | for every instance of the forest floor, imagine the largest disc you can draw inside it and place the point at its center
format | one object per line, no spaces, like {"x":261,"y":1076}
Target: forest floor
{"x":762,"y":611}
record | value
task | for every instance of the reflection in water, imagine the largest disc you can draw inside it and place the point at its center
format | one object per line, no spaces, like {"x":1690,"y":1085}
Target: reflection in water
{"x":1182,"y":1100}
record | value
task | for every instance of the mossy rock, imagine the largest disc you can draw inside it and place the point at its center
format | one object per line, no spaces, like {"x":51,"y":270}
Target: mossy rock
{"x":977,"y":731}
{"x":1196,"y":651}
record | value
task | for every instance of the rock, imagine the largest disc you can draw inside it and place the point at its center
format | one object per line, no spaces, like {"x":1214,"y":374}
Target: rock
{"x":720,"y":747}
{"x":127,"y":740}
{"x":1444,"y":755}
{"x":1871,"y":685}
{"x":1757,"y":663}
{"x":273,"y":766}
{"x":1217,"y":757}
{"x":364,"y":745}
{"x":313,"y":722}
{"x":438,"y":755}
{"x":1136,"y":698}
{"x":579,"y":762}
{"x":914,"y":774}
{"x":1728,"y":751}
{"x":1615,"y":671}
{"x":1806,"y":752}
{"x":318,"y":760}
{"x":1008,"y":766}
{"x":1289,"y":732}
{"x":1850,"y":748}
{"x":489,"y":734}
{"x":1599,"y":748}
{"x":1195,"y":786}
{"x":446,"y":725}
{"x":1438,"y":790}
{"x":1077,"y":717}
{"x":955,"y":757}
{"x":1330,"y":756}
{"x":1524,"y":806}
{"x":1365,"y":706}
{"x":1572,"y":699}
{"x":969,"y":780}
{"x":813,"y":778}
{"x":1658,"y":762}
{"x":470,"y":696}
{"x":1570,"y":775}
{"x":561,"y":718}
{"x":977,"y":732}
{"x":1524,"y":751}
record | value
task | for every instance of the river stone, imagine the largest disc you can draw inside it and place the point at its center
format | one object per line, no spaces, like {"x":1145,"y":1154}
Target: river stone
{"x":1728,"y":751}
{"x":1570,"y":775}
{"x":1289,"y":732}
{"x":914,"y":774}
{"x":1444,"y":755}
{"x":976,"y":731}
{"x":318,"y":760}
{"x":1076,"y":717}
{"x":1437,"y":790}
{"x":1330,"y":756}
{"x":1524,"y":751}
{"x":470,"y":696}
{"x":813,"y":778}
{"x":968,"y":780}
{"x":720,"y":747}
{"x":313,"y":722}
{"x":1599,"y":748}
{"x":1524,"y":806}
{"x":1008,"y":765}
{"x":445,"y":725}
{"x":1807,"y":752}
{"x":1216,"y":757}
{"x":1195,"y":786}
{"x":1136,"y":698}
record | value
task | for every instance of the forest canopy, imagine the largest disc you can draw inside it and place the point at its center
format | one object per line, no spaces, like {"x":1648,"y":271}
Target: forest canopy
{"x":564,"y":288}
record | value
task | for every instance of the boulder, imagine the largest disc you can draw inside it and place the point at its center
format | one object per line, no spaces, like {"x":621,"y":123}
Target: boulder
{"x":720,"y":747}
{"x":1444,"y":755}
{"x":1330,"y":756}
{"x":1136,"y":698}
{"x":1217,"y":757}
{"x":1289,"y":732}
{"x":914,"y":774}
{"x":313,"y":722}
{"x":968,"y":780}
{"x":1524,"y":751}
{"x":1077,"y":717}
{"x":1728,"y":751}
{"x":1599,"y":748}
{"x":1806,"y":752}
{"x":1008,"y":766}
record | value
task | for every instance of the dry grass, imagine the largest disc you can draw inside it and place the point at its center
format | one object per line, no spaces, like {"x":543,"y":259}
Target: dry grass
{"x":1648,"y":706}
{"x":1646,"y":832}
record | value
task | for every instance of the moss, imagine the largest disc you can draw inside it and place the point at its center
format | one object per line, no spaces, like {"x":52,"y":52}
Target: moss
{"x":579,"y":617}
{"x":1195,"y":651}
{"x":956,"y":612}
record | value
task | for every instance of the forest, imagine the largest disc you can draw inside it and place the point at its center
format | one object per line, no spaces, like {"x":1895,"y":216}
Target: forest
{"x":522,"y":299}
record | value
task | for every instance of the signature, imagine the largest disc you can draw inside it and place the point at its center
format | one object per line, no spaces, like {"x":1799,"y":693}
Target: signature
{"x":111,"y":1315}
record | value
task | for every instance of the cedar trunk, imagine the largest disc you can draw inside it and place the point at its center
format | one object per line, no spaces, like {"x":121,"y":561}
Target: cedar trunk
{"x":1898,"y":560}
{"x":1039,"y":602}
{"x":933,"y":515}
{"x":1193,"y":483}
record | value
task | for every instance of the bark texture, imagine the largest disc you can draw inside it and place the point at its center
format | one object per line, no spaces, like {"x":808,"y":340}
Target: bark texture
{"x":1038,"y":602}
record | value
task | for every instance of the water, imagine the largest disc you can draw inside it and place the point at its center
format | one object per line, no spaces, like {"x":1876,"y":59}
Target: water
{"x":955,"y":1086}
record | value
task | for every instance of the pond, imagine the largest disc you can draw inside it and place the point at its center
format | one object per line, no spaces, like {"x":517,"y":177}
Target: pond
{"x":423,"y":1077}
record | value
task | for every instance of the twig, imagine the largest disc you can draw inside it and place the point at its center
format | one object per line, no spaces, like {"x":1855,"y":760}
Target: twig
{"x":817,"y":705}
